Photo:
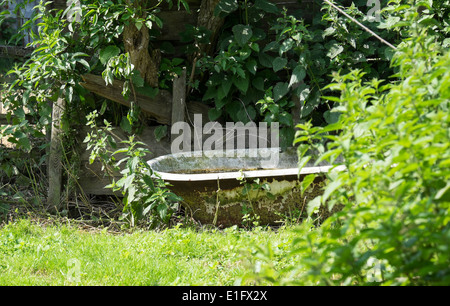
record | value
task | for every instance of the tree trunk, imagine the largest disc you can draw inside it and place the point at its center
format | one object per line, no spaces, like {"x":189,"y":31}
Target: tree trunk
{"x":136,"y":44}
{"x":207,"y":19}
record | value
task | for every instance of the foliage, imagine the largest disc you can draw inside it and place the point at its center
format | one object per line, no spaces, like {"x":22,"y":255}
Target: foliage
{"x":145,"y":194}
{"x":394,"y":141}
{"x":68,"y":43}
{"x":268,"y":59}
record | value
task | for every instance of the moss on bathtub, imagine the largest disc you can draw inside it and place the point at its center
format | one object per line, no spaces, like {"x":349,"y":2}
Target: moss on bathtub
{"x":284,"y":198}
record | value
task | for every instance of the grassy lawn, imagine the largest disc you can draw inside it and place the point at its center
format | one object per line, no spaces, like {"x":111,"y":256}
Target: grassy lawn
{"x":58,"y":254}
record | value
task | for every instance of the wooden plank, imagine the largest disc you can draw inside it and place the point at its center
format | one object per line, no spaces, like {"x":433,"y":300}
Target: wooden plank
{"x":55,"y":166}
{"x":179,"y":97}
{"x":15,"y":51}
{"x":157,"y":107}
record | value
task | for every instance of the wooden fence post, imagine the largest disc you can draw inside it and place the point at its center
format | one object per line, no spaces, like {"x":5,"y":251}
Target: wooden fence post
{"x":179,"y":103}
{"x":179,"y":97}
{"x":55,"y":166}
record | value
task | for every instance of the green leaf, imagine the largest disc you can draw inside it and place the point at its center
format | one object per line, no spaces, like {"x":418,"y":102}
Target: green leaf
{"x":162,"y":210}
{"x":330,"y":188}
{"x":226,"y":85}
{"x":298,"y":75}
{"x":242,"y":33}
{"x":107,"y":53}
{"x":286,"y":45}
{"x":125,"y":124}
{"x":311,"y":101}
{"x":285,"y":118}
{"x":225,"y":7}
{"x":103,"y":108}
{"x":251,"y":66}
{"x":306,"y":182}
{"x":442,"y":192}
{"x":138,"y":24}
{"x":334,"y":50}
{"x":266,"y":6}
{"x":160,"y":132}
{"x":280,"y":90}
{"x":136,"y":78}
{"x":265,"y":59}
{"x":84,"y":63}
{"x":313,"y":205}
{"x":279,"y":63}
{"x":331,"y":117}
{"x":147,"y":91}
{"x":258,"y":83}
{"x":214,"y":114}
{"x":241,"y":84}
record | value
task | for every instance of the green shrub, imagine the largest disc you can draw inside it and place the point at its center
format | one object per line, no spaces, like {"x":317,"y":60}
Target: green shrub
{"x":394,"y":140}
{"x":145,"y":195}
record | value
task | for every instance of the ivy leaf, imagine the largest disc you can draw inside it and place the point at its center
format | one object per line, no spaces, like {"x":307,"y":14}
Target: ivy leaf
{"x":279,"y":63}
{"x":107,"y":53}
{"x":214,"y":114}
{"x":280,"y":90}
{"x":242,"y":33}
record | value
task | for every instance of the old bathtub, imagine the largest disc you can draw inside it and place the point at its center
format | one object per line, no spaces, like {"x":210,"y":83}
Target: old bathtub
{"x":213,"y":186}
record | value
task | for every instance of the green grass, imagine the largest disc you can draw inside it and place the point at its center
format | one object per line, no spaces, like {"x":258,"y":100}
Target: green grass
{"x":58,"y":254}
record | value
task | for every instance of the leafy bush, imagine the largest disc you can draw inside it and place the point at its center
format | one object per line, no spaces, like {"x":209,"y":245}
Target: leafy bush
{"x":268,"y":58}
{"x":395,"y":143}
{"x":145,"y":195}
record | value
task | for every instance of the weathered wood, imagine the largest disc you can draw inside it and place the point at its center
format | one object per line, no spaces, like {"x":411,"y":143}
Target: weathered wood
{"x":55,"y":166}
{"x":179,"y":97}
{"x":213,"y":23}
{"x":158,"y":107}
{"x":136,"y":44}
{"x":15,"y":51}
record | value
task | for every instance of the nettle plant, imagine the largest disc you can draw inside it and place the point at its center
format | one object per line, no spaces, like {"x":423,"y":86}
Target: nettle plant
{"x":394,"y":141}
{"x":145,"y":195}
